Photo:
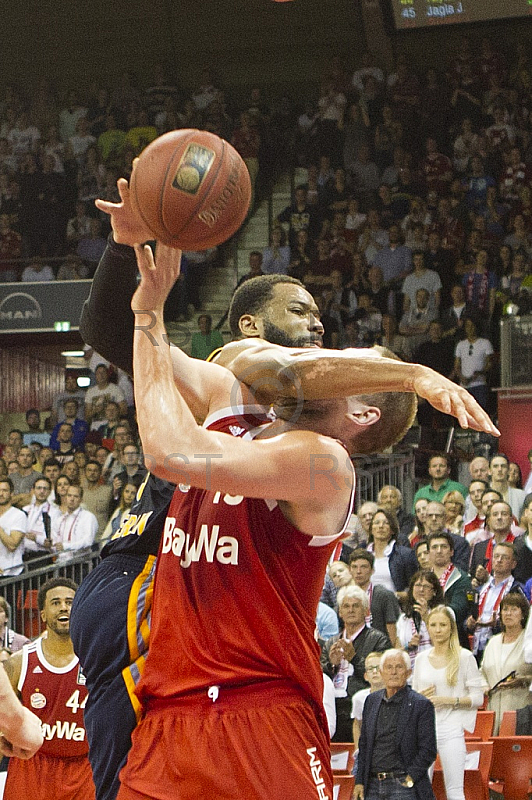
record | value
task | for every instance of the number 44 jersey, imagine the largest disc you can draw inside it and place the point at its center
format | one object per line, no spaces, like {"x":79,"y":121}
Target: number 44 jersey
{"x":57,"y":695}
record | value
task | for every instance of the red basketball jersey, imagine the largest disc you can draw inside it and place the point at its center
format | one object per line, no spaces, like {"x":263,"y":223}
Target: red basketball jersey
{"x":57,"y":695}
{"x":236,"y":592}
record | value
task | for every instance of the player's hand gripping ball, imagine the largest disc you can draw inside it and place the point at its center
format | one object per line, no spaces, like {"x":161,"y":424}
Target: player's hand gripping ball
{"x":191,"y":189}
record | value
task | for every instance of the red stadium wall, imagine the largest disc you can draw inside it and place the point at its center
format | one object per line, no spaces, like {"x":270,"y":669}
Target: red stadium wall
{"x":27,"y":382}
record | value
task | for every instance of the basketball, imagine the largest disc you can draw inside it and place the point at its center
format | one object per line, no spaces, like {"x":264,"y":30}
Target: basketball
{"x":191,"y":188}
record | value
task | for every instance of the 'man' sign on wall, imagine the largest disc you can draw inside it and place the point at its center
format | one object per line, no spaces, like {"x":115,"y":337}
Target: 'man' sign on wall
{"x":32,"y":307}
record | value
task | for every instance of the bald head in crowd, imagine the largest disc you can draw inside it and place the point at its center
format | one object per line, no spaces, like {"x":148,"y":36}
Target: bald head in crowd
{"x":479,"y":469}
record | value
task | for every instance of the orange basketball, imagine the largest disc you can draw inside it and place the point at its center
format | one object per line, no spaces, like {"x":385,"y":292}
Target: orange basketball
{"x":191,"y":188}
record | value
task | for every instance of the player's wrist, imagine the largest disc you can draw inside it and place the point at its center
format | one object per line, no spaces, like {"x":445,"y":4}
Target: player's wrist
{"x":416,"y":371}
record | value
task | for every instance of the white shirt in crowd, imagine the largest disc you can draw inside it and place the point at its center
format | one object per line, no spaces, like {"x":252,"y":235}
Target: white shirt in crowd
{"x":75,"y":531}
{"x":11,"y":560}
{"x":473,"y":357}
{"x":35,"y":524}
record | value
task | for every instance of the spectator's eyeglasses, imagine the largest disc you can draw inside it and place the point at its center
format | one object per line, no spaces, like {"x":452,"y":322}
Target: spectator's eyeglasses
{"x":372,"y":669}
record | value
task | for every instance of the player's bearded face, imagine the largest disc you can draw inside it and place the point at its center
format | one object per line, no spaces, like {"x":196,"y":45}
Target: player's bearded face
{"x":57,"y":610}
{"x":276,"y":335}
{"x":291,"y":318}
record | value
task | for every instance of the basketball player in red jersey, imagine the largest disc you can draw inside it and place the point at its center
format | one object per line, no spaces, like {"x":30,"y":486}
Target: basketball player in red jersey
{"x":48,"y":678}
{"x":232,"y":689}
{"x":21,"y":734}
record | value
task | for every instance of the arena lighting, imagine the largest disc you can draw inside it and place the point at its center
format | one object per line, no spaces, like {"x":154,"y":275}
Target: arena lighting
{"x":83,"y":381}
{"x":73,"y":353}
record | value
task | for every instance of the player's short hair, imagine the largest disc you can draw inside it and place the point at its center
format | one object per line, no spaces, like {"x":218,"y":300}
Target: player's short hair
{"x":53,"y":583}
{"x":398,"y":411}
{"x":252,"y":297}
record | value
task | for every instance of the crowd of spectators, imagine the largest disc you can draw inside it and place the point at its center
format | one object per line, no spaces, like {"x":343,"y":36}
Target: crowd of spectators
{"x":413,"y":227}
{"x":416,"y":208}
{"x":468,"y":548}
{"x":58,"y":154}
{"x":68,"y":484}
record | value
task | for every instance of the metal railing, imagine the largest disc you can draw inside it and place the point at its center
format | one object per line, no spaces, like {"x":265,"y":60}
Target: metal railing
{"x":20,"y":591}
{"x":395,"y":469}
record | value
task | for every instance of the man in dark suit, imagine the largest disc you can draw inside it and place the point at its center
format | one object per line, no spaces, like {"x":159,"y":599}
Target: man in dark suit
{"x":397,"y":742}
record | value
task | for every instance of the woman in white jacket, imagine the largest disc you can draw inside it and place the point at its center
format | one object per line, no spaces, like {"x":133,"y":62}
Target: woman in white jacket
{"x":503,"y":664}
{"x":449,"y":676}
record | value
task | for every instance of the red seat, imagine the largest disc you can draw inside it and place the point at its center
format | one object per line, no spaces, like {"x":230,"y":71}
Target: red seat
{"x":511,"y":766}
{"x":29,"y":619}
{"x":343,"y":787}
{"x":483,"y":727}
{"x":342,"y":757}
{"x":508,"y":723}
{"x":475,"y":780}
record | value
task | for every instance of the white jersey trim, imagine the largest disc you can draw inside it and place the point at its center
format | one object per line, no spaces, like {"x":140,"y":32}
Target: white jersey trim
{"x":57,"y":670}
{"x":235,"y":411}
{"x":24,"y":668}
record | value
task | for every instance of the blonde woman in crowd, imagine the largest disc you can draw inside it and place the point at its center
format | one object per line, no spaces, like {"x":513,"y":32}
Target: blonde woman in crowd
{"x":449,"y":676}
{"x":454,"y":511}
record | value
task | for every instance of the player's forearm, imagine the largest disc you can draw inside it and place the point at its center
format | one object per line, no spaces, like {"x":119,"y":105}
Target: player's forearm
{"x":107,"y":320}
{"x":166,"y":424}
{"x":10,"y":708}
{"x":21,"y":733}
{"x":322,"y":374}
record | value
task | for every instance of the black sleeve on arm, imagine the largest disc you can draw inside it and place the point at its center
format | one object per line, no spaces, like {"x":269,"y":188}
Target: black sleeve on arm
{"x":107,"y":321}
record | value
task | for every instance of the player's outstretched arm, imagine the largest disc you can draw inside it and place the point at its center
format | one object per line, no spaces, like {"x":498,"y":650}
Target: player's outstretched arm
{"x":183,"y":452}
{"x":274,"y":371}
{"x":20,"y":729}
{"x":107,"y":321}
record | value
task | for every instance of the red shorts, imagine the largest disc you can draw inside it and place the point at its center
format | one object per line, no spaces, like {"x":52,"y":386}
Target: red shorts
{"x":48,"y":778}
{"x":259,"y":743}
